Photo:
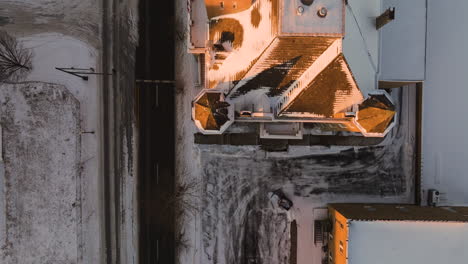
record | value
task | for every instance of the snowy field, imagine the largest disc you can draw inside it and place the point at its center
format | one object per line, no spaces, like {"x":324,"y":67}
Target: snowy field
{"x":52,"y":156}
{"x":79,"y":19}
{"x":67,"y":34}
{"x":41,"y":125}
{"x":75,"y":180}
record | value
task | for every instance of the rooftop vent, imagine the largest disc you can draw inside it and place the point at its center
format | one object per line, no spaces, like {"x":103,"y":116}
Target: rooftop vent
{"x":307,"y":2}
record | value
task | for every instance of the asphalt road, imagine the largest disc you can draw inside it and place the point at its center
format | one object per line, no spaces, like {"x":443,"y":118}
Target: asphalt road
{"x":155,"y":61}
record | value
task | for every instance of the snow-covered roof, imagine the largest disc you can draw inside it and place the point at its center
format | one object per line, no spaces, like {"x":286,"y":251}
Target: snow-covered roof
{"x":284,"y":61}
{"x":376,"y":115}
{"x":331,"y":92}
{"x":401,"y":233}
{"x":294,"y":55}
{"x":297,"y":18}
{"x":396,"y":212}
{"x":371,"y":242}
{"x":247,"y":39}
{"x":211,"y":114}
{"x":216,"y":8}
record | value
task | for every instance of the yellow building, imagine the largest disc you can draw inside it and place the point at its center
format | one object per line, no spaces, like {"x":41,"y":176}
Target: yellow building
{"x":395,"y":234}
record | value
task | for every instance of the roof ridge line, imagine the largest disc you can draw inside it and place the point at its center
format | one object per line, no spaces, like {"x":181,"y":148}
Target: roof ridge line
{"x":290,"y":94}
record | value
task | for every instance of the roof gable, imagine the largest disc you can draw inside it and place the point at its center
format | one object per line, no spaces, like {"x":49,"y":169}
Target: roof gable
{"x":282,"y":63}
{"x":331,"y":92}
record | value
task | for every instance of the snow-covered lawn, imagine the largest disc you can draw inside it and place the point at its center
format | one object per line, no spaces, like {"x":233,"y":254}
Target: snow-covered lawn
{"x":52,"y":156}
{"x":42,"y":179}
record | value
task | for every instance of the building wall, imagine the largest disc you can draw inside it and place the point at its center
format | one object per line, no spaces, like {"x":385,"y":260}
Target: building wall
{"x":345,"y":126}
{"x":338,"y":240}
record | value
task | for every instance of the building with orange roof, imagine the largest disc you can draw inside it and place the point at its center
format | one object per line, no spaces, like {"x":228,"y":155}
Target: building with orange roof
{"x":291,"y":62}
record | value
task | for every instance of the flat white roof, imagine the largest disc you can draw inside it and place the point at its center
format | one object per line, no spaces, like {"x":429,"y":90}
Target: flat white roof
{"x":445,"y":148}
{"x":361,"y":42}
{"x":308,"y":22}
{"x":403,"y":52}
{"x":396,"y":242}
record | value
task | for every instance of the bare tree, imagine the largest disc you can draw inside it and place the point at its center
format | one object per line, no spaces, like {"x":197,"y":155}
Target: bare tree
{"x":184,"y":201}
{"x":15,"y":60}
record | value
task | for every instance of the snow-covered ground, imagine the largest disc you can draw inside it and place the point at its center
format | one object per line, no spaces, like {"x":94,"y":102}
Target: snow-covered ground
{"x":236,"y":181}
{"x":66,"y":33}
{"x":80,"y":19}
{"x":57,"y":50}
{"x":53,"y":178}
{"x":82,"y":223}
{"x":42,"y":179}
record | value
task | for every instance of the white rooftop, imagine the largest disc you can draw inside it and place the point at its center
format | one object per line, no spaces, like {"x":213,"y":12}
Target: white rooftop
{"x":361,"y":42}
{"x":395,"y":242}
{"x":308,"y":22}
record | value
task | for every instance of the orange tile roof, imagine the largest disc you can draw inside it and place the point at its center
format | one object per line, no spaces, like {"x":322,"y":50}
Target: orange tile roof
{"x":205,"y":112}
{"x":322,"y":94}
{"x":282,"y":63}
{"x":375,"y":114}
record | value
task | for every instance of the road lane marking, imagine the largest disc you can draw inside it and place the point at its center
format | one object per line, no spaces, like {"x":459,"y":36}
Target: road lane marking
{"x":157,"y":250}
{"x":156,"y":171}
{"x":156,"y":97}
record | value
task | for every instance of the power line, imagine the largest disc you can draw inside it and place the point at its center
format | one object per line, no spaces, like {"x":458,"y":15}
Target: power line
{"x":369,"y":55}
